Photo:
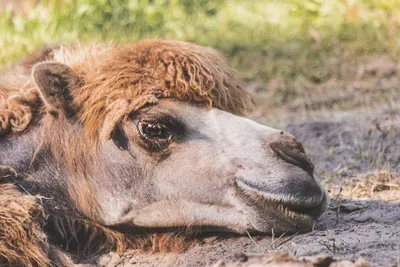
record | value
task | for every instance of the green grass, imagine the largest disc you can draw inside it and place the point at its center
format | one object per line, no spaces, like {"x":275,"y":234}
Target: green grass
{"x":298,"y":42}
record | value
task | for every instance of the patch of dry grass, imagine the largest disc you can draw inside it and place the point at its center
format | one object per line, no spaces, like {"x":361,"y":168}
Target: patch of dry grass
{"x":383,"y":186}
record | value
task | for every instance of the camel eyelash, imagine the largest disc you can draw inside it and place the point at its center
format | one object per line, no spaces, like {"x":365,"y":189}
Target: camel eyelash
{"x":153,"y":145}
{"x":154,"y":136}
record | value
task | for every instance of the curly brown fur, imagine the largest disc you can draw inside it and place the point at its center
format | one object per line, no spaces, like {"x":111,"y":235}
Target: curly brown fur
{"x":22,"y":242}
{"x":161,"y":69}
{"x":17,"y":109}
{"x":148,"y":69}
{"x":19,"y":97}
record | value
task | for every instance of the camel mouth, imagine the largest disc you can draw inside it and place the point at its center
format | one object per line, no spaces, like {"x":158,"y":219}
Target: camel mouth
{"x":289,"y":205}
{"x":311,"y":211}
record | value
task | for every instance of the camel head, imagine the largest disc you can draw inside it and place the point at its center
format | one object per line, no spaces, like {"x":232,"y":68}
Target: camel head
{"x":149,"y":136}
{"x":209,"y":169}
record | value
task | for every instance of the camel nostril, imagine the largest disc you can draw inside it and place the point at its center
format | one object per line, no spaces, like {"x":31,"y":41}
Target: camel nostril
{"x":292,"y":151}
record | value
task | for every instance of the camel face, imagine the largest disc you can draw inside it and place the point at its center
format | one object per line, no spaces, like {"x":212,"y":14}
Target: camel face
{"x":208,"y":169}
{"x":145,"y":135}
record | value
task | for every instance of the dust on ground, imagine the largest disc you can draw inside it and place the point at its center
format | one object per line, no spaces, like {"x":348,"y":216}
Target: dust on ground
{"x":353,"y":138}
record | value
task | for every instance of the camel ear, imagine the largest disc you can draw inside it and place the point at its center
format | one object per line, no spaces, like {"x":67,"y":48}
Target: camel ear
{"x":55,"y":82}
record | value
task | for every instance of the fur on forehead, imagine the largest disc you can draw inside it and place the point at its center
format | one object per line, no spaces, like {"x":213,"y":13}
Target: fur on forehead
{"x":142,"y":72}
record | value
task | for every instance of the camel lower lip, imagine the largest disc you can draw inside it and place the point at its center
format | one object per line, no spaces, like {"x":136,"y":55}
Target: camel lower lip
{"x":307,"y":207}
{"x":313,"y":212}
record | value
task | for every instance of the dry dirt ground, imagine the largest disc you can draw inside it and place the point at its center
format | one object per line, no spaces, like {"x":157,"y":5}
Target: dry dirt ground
{"x":357,"y":158}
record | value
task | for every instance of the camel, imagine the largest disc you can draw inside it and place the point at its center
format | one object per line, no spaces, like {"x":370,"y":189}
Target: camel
{"x":142,"y":136}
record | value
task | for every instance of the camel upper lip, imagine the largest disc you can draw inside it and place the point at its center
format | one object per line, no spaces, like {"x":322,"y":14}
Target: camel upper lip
{"x":311,"y":207}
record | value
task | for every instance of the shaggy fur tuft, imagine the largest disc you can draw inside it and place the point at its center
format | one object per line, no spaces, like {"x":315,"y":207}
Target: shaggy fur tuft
{"x":22,"y":242}
{"x":141,"y":72}
{"x":17,"y":108}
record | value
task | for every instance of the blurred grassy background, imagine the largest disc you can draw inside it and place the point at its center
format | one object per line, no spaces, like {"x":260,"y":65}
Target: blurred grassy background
{"x":288,"y":46}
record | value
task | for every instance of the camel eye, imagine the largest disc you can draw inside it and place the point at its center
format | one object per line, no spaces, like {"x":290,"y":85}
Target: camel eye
{"x":154,"y":130}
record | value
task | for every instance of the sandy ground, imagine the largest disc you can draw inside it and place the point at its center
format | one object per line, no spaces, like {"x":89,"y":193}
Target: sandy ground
{"x":357,"y":160}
